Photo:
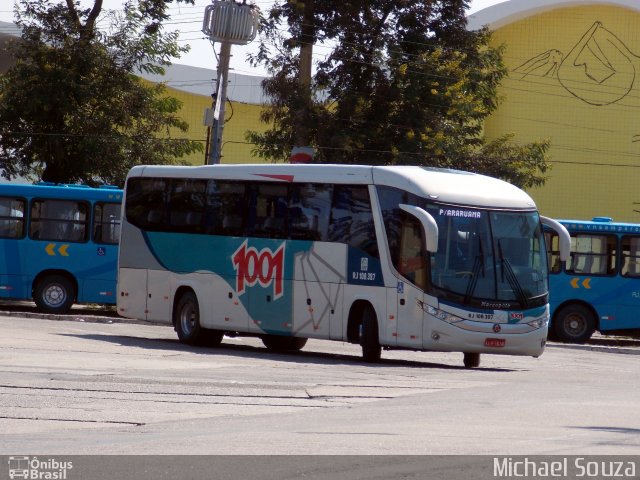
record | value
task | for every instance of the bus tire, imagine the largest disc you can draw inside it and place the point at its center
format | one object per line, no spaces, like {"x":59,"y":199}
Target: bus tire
{"x":471,"y":360}
{"x":213,"y":337}
{"x":54,"y":294}
{"x":279,"y":343}
{"x":187,"y":320}
{"x":369,"y":340}
{"x":574,"y":323}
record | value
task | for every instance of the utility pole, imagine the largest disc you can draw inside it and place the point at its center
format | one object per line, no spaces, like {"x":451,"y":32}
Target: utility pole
{"x":226,"y":22}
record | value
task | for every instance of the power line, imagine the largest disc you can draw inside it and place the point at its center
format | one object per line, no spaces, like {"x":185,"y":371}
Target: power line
{"x":524,"y":79}
{"x":361,"y":150}
{"x":370,"y":63}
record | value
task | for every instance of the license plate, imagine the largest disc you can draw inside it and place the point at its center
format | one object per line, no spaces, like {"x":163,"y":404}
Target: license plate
{"x":494,"y":342}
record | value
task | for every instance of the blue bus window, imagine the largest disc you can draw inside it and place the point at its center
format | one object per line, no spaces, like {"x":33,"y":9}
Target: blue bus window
{"x":11,"y":217}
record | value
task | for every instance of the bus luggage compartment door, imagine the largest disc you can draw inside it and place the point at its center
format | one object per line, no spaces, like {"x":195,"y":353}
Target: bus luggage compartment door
{"x":132,"y":293}
{"x":159,"y":305}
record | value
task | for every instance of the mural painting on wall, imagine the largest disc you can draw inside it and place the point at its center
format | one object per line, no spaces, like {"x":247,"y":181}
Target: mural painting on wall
{"x":599,"y":70}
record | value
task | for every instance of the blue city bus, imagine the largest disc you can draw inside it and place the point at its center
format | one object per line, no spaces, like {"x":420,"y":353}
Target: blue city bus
{"x":598,"y":289}
{"x":59,"y":244}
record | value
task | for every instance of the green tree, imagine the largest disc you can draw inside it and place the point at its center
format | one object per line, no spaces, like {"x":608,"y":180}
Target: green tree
{"x":403,"y":82}
{"x":72,"y":109}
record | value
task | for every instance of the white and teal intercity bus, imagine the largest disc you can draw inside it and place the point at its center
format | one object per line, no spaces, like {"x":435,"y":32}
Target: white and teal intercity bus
{"x":397,"y":257}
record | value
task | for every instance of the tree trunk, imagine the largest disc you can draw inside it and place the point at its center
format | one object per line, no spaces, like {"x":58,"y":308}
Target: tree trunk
{"x":307,"y":39}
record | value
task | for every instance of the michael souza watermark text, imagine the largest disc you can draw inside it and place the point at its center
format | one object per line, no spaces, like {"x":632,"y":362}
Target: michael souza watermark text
{"x":564,"y":467}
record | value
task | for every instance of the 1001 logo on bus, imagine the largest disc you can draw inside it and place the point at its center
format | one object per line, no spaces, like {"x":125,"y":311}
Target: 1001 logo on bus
{"x":264,"y":267}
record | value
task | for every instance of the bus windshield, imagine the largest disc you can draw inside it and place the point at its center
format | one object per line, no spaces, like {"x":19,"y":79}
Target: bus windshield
{"x":489,"y":256}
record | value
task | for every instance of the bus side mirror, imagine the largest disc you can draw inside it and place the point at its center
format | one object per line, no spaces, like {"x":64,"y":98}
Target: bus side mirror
{"x":563,"y":236}
{"x":428,"y":223}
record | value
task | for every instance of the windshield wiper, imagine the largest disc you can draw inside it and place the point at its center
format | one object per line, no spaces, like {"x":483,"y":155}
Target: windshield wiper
{"x":512,"y":279}
{"x":478,"y":264}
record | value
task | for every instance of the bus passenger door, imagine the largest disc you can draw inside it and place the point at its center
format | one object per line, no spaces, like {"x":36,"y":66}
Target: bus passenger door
{"x":132,"y":293}
{"x":410,"y":315}
{"x":411,"y":264}
{"x":98,"y":280}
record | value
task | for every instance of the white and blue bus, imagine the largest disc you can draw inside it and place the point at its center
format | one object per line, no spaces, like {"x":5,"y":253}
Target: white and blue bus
{"x":386,"y":257}
{"x":59,"y":244}
{"x":599,"y":287}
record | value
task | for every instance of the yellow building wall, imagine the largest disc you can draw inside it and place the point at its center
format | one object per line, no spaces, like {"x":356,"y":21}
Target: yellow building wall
{"x":574,"y":78}
{"x":241,"y":117}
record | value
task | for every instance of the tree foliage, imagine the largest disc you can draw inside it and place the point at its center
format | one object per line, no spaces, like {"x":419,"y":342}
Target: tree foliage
{"x":72,"y":109}
{"x":403,"y":82}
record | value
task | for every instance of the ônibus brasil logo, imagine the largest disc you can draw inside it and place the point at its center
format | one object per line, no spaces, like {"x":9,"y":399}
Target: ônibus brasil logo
{"x":264,"y":267}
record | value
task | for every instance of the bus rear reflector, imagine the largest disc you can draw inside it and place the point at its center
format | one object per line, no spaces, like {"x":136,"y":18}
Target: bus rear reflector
{"x":494,"y":342}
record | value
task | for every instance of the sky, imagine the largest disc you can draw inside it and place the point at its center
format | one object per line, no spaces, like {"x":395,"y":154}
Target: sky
{"x":187,"y":19}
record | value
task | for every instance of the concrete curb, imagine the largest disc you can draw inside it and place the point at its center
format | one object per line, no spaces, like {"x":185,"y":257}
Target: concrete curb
{"x":79,"y":317}
{"x":597,"y":348}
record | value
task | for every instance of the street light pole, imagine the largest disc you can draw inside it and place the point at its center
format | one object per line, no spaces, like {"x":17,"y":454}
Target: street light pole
{"x":221,"y":100}
{"x":226,"y":22}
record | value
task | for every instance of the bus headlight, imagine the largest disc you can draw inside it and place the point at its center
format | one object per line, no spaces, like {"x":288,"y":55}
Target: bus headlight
{"x":444,"y":316}
{"x":539,"y":322}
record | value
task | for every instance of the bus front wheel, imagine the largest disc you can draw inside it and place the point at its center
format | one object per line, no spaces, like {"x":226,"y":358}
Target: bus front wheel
{"x":54,"y":294}
{"x":369,"y":340}
{"x":471,"y":360}
{"x":574,"y":324}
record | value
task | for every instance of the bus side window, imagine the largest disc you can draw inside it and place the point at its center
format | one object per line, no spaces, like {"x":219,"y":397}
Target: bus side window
{"x":268,"y":211}
{"x":309,"y":211}
{"x":59,"y":220}
{"x":145,"y":202}
{"x":593,"y":254}
{"x":106,"y":227}
{"x":630,"y":256}
{"x":553,"y":252}
{"x":389,"y":199}
{"x":186,"y":205}
{"x":352,"y":219}
{"x":11,"y":217}
{"x":226,"y":211}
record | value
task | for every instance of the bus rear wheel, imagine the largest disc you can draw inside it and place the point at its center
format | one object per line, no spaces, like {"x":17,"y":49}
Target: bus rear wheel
{"x":186,"y":318}
{"x":369,"y":340}
{"x":574,"y":324}
{"x":54,"y":294}
{"x":278,"y":343}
